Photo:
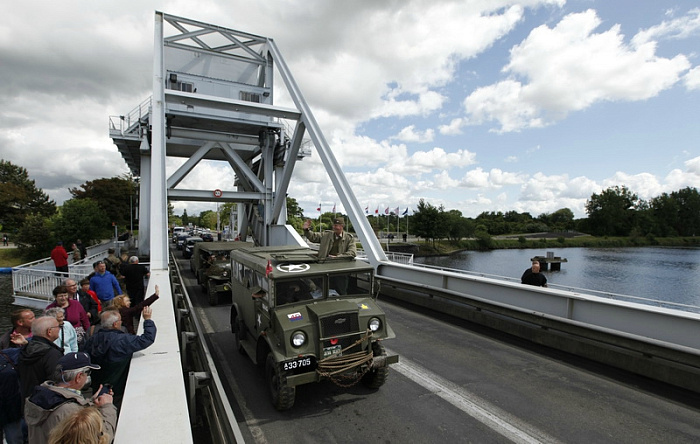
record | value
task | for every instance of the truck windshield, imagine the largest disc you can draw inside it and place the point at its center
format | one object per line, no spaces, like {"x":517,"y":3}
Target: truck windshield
{"x":322,"y":287}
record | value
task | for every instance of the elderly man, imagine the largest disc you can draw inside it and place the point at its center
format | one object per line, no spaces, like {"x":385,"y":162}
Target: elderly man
{"x":335,"y":243}
{"x":104,"y":284}
{"x":532,"y":276}
{"x":112,"y":349}
{"x":55,"y":400}
{"x":21,"y":321}
{"x":38,"y":358}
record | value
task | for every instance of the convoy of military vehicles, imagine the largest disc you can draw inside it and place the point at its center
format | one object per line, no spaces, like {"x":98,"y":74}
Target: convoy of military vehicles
{"x":300,"y":318}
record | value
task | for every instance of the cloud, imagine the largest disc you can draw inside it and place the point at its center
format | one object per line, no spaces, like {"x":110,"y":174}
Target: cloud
{"x":555,"y":71}
{"x":692,"y":79}
{"x":409,"y":134}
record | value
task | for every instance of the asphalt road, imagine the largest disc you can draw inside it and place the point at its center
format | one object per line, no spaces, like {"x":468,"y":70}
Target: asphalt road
{"x":456,"y":382}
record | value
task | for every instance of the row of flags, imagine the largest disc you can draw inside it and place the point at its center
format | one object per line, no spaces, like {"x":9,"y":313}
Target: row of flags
{"x":387,"y":210}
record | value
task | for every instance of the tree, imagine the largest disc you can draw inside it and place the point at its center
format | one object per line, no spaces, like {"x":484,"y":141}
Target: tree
{"x":428,"y":221}
{"x":688,"y":200}
{"x":562,"y":219}
{"x":81,"y":219}
{"x":34,"y":239}
{"x":611,"y":213}
{"x":112,"y":195}
{"x":20,"y":197}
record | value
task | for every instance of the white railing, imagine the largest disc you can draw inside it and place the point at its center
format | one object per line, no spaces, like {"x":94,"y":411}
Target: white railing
{"x":34,"y":282}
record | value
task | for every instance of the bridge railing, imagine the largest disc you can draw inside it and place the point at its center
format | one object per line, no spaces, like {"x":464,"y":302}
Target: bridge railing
{"x":33,"y":282}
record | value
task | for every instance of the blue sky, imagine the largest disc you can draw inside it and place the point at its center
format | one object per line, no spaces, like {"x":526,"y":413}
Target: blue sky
{"x":477,"y":106}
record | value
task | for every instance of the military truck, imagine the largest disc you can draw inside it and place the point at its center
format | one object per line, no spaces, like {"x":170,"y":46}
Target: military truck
{"x":211,"y":265}
{"x":303,"y":319}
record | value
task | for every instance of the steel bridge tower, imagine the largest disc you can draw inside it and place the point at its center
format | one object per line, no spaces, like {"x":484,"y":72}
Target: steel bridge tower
{"x":213,"y":99}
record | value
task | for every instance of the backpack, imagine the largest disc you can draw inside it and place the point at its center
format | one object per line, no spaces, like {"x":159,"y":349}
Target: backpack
{"x":10,"y":397}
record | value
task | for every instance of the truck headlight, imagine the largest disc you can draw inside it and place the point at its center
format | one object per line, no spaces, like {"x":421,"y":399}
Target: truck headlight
{"x":298,"y":339}
{"x":374,"y":324}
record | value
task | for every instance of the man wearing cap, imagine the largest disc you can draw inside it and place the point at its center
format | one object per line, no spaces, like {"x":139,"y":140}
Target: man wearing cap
{"x":104,"y":284}
{"x":334,"y":243}
{"x":55,"y":400}
{"x":60,"y":257}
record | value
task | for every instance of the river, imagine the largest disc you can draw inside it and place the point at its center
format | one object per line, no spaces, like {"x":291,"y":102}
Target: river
{"x":656,"y":273}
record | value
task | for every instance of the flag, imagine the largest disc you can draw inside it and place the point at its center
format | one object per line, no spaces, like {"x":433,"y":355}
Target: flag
{"x":319,"y":207}
{"x":367,"y":209}
{"x":376,"y":211}
{"x":333,"y":208}
{"x":386,"y":210}
{"x":405,"y":212}
{"x":396,"y":211}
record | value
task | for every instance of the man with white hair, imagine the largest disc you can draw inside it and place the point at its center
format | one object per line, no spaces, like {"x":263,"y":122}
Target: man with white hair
{"x":134,"y":274}
{"x":38,"y":358}
{"x":112,"y":348}
{"x":55,"y":400}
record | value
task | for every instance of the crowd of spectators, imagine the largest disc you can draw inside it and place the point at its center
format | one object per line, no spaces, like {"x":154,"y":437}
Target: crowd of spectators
{"x":63,"y":374}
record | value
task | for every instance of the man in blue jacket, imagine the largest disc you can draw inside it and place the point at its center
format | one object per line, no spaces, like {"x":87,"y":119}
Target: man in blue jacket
{"x":104,"y":284}
{"x":111,"y":348}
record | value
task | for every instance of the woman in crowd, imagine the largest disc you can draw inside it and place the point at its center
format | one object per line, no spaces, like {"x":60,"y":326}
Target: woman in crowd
{"x":127,"y":312}
{"x":73,"y":310}
{"x":82,"y":427}
{"x":67,"y":338}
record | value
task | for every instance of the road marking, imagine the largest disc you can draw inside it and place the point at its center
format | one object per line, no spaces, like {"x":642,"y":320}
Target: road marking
{"x":491,"y":416}
{"x":250,"y":420}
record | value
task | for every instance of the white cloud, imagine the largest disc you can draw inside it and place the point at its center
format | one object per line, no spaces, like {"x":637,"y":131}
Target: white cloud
{"x":409,"y":134}
{"x":692,"y":79}
{"x":453,"y":128}
{"x":568,"y":68}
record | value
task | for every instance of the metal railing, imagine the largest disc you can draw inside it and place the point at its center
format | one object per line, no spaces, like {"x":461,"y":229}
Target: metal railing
{"x":33,"y":283}
{"x":568,"y":288}
{"x":128,"y":123}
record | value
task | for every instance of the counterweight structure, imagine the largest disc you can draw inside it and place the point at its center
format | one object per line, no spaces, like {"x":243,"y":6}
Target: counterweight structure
{"x":213,"y":100}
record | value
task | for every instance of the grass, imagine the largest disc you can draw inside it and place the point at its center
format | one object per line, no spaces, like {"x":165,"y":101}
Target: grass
{"x":10,"y":257}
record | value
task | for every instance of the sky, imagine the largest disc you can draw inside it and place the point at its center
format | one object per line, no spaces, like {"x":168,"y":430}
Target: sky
{"x":473,"y":105}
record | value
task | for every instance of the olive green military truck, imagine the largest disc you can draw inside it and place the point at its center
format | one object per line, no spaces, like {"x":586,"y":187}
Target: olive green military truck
{"x":211,"y":265}
{"x":305,"y":319}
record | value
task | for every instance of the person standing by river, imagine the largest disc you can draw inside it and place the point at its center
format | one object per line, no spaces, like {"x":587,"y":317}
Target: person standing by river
{"x":532,"y":276}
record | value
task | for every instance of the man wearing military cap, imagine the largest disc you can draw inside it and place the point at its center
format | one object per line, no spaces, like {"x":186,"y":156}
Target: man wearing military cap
{"x":334,"y":243}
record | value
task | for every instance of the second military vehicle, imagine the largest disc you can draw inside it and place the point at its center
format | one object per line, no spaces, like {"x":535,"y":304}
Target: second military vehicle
{"x":305,"y":319}
{"x":212,"y":267}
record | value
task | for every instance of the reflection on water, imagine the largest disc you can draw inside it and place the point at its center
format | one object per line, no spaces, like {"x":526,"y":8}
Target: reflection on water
{"x":666,"y":274}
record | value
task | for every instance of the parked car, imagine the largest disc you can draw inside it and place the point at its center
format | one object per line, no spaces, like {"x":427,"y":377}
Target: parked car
{"x":208,"y":237}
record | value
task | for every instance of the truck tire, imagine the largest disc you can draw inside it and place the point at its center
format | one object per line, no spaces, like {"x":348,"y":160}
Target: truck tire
{"x":213,"y":294}
{"x":237,"y":327}
{"x":376,"y":377}
{"x":282,"y":395}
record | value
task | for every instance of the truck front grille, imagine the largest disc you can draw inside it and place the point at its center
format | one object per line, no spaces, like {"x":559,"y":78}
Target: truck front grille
{"x":339,"y":324}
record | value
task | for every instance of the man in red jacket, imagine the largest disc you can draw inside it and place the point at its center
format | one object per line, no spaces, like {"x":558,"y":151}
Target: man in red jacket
{"x":60,"y":257}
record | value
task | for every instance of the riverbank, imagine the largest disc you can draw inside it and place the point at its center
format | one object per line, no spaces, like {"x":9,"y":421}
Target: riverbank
{"x":443,"y":248}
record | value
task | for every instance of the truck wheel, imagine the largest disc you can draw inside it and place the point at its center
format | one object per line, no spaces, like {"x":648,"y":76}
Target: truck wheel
{"x":282,"y":395}
{"x":213,"y":294}
{"x":236,"y":326}
{"x":376,"y":377}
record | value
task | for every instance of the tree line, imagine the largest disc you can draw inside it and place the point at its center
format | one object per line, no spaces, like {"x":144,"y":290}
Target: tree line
{"x":35,"y":223}
{"x":615,"y":211}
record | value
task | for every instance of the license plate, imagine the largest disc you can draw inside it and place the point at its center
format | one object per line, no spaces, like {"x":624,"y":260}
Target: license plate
{"x":330,"y":351}
{"x":296,"y":364}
